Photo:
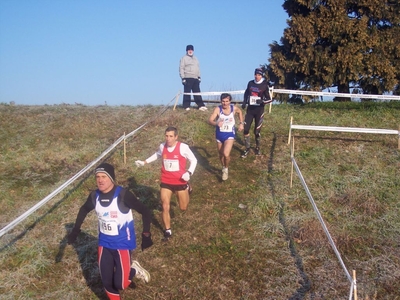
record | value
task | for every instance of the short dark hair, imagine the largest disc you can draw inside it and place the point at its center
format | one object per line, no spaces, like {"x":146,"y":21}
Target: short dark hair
{"x":172,"y":128}
{"x":226,"y":95}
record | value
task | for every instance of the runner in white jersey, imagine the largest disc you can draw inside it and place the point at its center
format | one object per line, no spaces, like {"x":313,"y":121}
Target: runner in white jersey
{"x":117,"y":239}
{"x":223,"y":118}
{"x":175,"y":175}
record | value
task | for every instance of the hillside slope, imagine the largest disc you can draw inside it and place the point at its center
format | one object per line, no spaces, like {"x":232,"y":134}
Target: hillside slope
{"x":251,"y":237}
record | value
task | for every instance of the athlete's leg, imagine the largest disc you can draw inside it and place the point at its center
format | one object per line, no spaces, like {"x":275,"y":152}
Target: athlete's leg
{"x":220,"y":152}
{"x":166,"y":195}
{"x":122,"y":274}
{"x":259,"y":119}
{"x":106,"y":268}
{"x":183,"y":199}
{"x":248,"y":120}
{"x":226,"y":152}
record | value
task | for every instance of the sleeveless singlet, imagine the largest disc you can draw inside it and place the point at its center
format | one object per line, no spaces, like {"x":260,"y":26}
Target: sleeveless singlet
{"x":227,"y":130}
{"x":173,"y":166}
{"x":116,"y":229}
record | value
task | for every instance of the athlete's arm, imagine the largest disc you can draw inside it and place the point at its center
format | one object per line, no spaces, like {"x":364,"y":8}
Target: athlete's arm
{"x":188,"y":154}
{"x":86,"y":208}
{"x":246,"y":95}
{"x":212,"y":120}
{"x":155,"y":156}
{"x":240,"y":115}
{"x":266,"y":96}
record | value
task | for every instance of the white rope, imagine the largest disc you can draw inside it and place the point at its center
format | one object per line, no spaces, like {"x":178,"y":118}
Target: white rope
{"x":331,"y":242}
{"x":26,"y":214}
{"x":300,"y":92}
{"x":214,"y":93}
{"x":345,"y":129}
{"x":328,"y":94}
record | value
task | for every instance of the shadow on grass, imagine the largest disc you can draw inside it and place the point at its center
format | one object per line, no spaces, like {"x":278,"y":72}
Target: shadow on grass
{"x":305,"y":282}
{"x":86,"y":249}
{"x":203,"y":156}
{"x":149,"y":196}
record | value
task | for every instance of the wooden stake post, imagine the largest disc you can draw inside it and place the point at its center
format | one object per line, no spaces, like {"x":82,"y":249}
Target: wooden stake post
{"x":355,"y":285}
{"x":176,"y":99}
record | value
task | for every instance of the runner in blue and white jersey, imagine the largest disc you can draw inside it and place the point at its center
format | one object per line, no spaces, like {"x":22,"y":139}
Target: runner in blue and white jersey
{"x":223,"y":118}
{"x":117,"y":239}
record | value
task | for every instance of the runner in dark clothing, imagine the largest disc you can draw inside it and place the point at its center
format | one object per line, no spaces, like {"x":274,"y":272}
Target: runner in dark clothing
{"x":255,"y":97}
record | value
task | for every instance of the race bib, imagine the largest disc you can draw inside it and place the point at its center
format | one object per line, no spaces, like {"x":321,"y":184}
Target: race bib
{"x":108,"y":227}
{"x":226,"y":126}
{"x":254,"y":99}
{"x":171,"y":165}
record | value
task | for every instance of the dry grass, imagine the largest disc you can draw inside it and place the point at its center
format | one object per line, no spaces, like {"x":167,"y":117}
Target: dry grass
{"x":274,"y":248}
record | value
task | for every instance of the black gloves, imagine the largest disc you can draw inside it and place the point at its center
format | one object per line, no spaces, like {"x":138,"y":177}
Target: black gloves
{"x":73,"y":235}
{"x":244,"y":105}
{"x":183,"y":81}
{"x":146,"y":240}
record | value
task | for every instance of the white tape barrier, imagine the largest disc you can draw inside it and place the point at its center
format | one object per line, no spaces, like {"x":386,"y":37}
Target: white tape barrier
{"x":26,"y":214}
{"x":328,"y":94}
{"x":18,"y":220}
{"x":345,"y":129}
{"x":310,"y":197}
{"x":57,"y":191}
{"x":309,"y":93}
{"x":214,"y":93}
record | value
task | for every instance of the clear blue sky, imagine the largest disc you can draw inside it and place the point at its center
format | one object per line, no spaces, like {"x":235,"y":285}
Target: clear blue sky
{"x":124,"y":52}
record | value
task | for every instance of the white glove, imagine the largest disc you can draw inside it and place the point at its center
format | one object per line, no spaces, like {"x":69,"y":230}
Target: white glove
{"x":139,"y":163}
{"x":186,"y":176}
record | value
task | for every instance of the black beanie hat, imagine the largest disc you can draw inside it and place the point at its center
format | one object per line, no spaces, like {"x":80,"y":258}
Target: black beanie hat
{"x":189,"y":47}
{"x":106,"y":168}
{"x":258,"y":71}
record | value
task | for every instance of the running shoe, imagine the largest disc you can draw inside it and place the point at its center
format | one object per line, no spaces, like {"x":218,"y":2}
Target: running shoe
{"x":187,"y":108}
{"x":224,"y":173}
{"x":203,"y":108}
{"x":141,"y":273}
{"x":245,"y":153}
{"x":257,"y":151}
{"x":167,"y":235}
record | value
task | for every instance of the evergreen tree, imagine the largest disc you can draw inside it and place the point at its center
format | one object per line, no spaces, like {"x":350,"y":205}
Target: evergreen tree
{"x":339,"y":43}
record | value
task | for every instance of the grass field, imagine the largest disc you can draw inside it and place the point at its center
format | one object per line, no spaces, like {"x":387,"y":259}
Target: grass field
{"x":251,"y":237}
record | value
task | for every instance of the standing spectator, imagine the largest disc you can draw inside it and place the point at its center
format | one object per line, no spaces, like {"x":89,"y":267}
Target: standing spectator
{"x":223,"y":118}
{"x":117,"y":237}
{"x":255,"y":97}
{"x":189,"y":71}
{"x":174,"y":174}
